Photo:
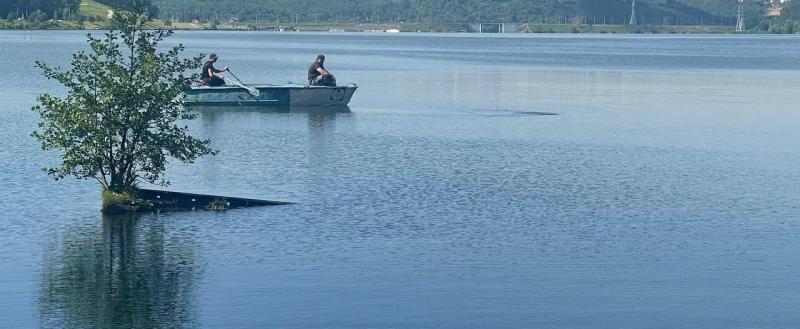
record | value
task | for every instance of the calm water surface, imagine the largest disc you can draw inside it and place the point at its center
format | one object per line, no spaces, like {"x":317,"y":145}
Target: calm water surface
{"x":664,"y":194}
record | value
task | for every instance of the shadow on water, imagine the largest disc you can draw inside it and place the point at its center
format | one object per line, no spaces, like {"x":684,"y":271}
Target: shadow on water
{"x":210,"y":110}
{"x":129,"y":273}
{"x":319,"y":117}
{"x":510,"y":113}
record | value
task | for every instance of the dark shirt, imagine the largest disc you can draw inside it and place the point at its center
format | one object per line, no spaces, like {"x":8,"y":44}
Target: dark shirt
{"x":209,"y":65}
{"x":312,"y":70}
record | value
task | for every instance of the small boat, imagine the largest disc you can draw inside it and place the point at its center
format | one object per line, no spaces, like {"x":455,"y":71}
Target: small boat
{"x":288,"y":95}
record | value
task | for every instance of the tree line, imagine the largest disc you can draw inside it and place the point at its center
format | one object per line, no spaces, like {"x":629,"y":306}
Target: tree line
{"x":788,"y":22}
{"x":284,"y":12}
{"x":445,"y":11}
{"x":39,"y":10}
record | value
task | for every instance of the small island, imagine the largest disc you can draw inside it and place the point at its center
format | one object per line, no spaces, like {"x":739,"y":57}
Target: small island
{"x":120,"y":123}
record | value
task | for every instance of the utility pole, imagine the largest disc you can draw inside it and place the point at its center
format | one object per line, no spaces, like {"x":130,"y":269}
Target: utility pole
{"x":633,"y":13}
{"x":740,"y":17}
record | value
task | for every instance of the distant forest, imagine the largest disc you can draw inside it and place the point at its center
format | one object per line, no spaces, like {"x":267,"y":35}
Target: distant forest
{"x":452,"y":11}
{"x":684,"y":12}
{"x":39,"y":9}
{"x":55,"y":9}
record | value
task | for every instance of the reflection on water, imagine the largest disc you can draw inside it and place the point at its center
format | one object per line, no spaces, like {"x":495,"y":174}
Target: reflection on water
{"x":321,"y":125}
{"x":268,"y":144}
{"x":212,"y":117}
{"x":212,"y":110}
{"x":661,"y":192}
{"x":130,"y":273}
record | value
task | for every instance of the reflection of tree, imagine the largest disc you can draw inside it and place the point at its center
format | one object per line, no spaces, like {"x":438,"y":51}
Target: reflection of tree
{"x":129,"y":276}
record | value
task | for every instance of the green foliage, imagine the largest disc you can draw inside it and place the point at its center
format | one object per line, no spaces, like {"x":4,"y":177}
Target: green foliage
{"x":447,"y":11}
{"x":151,"y":9}
{"x":38,"y":16}
{"x":791,"y":11}
{"x":125,"y":202}
{"x":218,"y":205}
{"x":785,"y":27}
{"x":283,"y":12}
{"x":118,"y":123}
{"x":603,"y":8}
{"x":787,"y":23}
{"x":113,"y":198}
{"x":24,"y":8}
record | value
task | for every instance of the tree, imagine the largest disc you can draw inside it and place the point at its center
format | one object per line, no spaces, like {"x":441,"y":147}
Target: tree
{"x":791,"y":10}
{"x":38,"y":16}
{"x":450,"y":11}
{"x":119,"y":122}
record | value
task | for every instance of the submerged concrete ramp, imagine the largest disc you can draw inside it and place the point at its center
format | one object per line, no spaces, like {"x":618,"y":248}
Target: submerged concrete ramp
{"x":179,"y":200}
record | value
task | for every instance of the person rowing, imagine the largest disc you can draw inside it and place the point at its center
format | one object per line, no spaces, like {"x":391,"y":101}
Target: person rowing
{"x":209,"y":75}
{"x":318,"y":75}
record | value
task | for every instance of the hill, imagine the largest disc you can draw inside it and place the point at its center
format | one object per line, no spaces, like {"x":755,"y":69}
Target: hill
{"x":441,"y":11}
{"x":450,"y":15}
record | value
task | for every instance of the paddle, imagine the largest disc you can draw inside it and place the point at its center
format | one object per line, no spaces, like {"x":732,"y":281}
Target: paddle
{"x":239,"y":83}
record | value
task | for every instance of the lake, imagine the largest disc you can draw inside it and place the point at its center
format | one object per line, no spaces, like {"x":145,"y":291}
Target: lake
{"x":663,"y":194}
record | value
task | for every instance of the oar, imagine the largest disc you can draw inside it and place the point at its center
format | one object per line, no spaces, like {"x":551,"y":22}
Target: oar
{"x":251,"y":90}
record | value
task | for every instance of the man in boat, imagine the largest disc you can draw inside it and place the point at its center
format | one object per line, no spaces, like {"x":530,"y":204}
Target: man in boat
{"x":318,"y":75}
{"x":209,"y":75}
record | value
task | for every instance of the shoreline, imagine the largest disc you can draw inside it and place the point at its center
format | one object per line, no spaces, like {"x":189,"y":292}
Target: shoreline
{"x":390,"y":28}
{"x":447,"y":28}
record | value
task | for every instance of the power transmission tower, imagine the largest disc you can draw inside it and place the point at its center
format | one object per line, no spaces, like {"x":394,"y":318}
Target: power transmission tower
{"x":633,"y":13}
{"x":740,"y":17}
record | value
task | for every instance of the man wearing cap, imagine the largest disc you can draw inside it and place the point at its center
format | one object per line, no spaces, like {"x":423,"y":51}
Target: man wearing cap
{"x":318,"y":75}
{"x":209,"y":77}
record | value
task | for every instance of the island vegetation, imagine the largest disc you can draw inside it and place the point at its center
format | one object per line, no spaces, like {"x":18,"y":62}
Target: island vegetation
{"x":655,"y":16}
{"x":122,"y":118}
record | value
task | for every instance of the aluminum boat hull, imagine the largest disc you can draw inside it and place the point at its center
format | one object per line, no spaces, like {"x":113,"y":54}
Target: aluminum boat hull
{"x":290,"y":95}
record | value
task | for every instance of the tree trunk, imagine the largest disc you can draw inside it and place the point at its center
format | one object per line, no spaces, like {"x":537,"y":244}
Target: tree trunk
{"x":117,"y":183}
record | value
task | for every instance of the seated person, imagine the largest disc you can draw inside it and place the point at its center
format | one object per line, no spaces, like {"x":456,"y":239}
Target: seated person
{"x":318,"y":75}
{"x":209,"y":77}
